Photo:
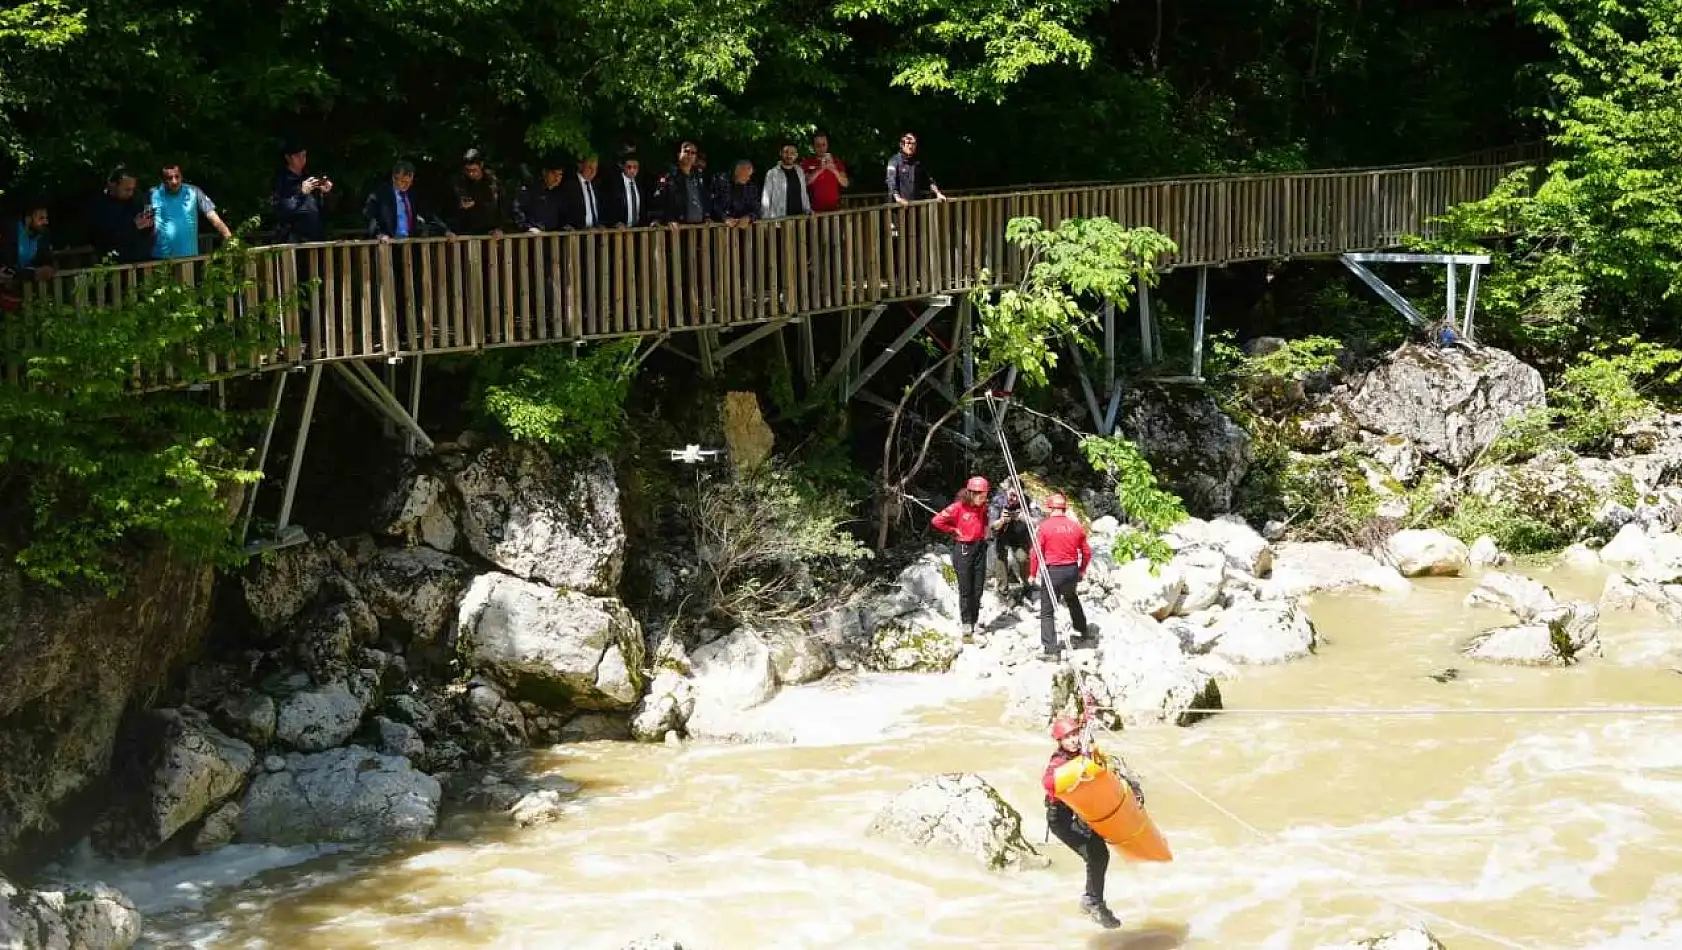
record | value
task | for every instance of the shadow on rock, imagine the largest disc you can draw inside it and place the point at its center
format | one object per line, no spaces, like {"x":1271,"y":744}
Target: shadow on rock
{"x":1152,"y":935}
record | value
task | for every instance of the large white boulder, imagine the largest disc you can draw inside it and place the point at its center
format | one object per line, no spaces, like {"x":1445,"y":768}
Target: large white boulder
{"x":80,"y":916}
{"x":1257,"y":633}
{"x":959,"y":813}
{"x":1309,"y":567}
{"x":539,"y":520}
{"x":416,"y":589}
{"x":1451,"y":402}
{"x":1524,"y":598}
{"x":1561,"y":637}
{"x":1143,"y":676}
{"x":349,"y":795}
{"x":552,"y":647}
{"x":1426,"y":553}
{"x":731,"y":675}
{"x":422,"y":510}
{"x":195,"y":768}
{"x":1153,"y":590}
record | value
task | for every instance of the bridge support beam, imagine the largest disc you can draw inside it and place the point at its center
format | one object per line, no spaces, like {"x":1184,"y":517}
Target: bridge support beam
{"x":936,"y":305}
{"x":1148,"y":348}
{"x":855,"y":340}
{"x":286,"y":534}
{"x":1357,"y":265}
{"x":362,"y":381}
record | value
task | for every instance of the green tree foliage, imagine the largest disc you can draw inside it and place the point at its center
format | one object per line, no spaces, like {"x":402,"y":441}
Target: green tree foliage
{"x":1150,"y":508}
{"x":1068,"y":274}
{"x":1598,"y":247}
{"x":87,"y":466}
{"x":573,"y":404}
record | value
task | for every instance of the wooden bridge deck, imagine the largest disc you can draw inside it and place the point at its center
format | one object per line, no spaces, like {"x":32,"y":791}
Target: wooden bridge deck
{"x":436,"y":295}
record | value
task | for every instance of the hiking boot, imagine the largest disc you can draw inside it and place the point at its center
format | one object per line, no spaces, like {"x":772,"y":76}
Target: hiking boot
{"x":1099,"y":913}
{"x":969,"y":633}
{"x":1050,"y":656}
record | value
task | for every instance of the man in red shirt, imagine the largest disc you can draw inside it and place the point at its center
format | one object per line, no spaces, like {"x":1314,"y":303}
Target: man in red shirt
{"x":966,"y":521}
{"x":826,"y":175}
{"x":1062,"y":542}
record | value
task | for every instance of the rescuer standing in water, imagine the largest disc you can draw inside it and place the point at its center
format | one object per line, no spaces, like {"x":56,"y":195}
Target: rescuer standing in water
{"x":966,"y":521}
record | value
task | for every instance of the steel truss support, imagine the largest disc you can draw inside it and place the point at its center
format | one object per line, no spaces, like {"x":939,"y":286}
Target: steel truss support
{"x":362,"y":382}
{"x":1357,"y":265}
{"x":844,"y":363}
{"x":286,"y":534}
{"x":856,"y":383}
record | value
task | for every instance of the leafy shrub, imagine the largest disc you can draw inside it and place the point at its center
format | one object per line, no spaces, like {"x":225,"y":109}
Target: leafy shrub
{"x":1150,"y":508}
{"x":87,"y":466}
{"x":574,"y":404}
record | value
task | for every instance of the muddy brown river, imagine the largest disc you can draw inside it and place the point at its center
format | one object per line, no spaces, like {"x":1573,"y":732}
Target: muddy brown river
{"x":1496,"y":830}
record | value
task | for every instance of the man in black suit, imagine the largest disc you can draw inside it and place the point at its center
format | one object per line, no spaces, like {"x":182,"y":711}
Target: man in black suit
{"x":395,"y":212}
{"x":581,"y":201}
{"x":624,"y":200}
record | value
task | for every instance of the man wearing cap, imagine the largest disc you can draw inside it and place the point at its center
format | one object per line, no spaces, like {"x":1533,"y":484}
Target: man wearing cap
{"x":1067,"y":554}
{"x":298,"y":198}
{"x":966,"y":521}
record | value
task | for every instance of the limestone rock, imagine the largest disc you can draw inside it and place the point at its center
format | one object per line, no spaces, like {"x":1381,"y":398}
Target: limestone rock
{"x":248,"y":716}
{"x":749,"y":439}
{"x":399,"y":739}
{"x":279,"y":586}
{"x":1305,"y":568}
{"x":535,"y":519}
{"x":1194,"y":447}
{"x":1426,"y":553}
{"x":1263,"y":632}
{"x":416,"y":590}
{"x":421,"y":511}
{"x":920,"y":643}
{"x":218,"y":829}
{"x":596,"y":727}
{"x":80,"y":916}
{"x":1485,"y":553}
{"x":1450,"y":402}
{"x":552,"y":647}
{"x":348,"y":795}
{"x":1522,"y":597}
{"x":1204,"y":572}
{"x":1144,"y":677}
{"x":197,"y":769}
{"x":1153,"y":590}
{"x":959,"y":813}
{"x":1038,"y":693}
{"x":1559,"y":638}
{"x":731,"y":675}
{"x":797,"y":656}
{"x":668,"y":705}
{"x":311,"y":720}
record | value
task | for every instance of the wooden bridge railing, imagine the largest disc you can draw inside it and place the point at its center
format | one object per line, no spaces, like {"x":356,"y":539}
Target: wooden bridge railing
{"x":357,"y":300}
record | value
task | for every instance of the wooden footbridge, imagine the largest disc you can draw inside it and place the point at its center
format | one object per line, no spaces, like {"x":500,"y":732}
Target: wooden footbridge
{"x":351,"y":305}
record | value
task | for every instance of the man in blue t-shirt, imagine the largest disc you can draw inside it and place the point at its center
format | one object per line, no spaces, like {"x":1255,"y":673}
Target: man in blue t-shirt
{"x":176,"y":207}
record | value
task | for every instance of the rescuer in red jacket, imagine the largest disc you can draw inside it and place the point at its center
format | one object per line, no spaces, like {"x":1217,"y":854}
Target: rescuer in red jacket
{"x":1062,"y":821}
{"x":1067,"y":556}
{"x":965,"y":520}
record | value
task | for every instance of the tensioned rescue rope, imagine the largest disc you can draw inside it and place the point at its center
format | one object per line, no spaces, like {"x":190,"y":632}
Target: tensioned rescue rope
{"x":1467,"y":929}
{"x":1046,"y":589}
{"x":1356,"y":711}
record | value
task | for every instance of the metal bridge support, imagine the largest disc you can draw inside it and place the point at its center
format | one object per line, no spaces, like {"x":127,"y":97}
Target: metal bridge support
{"x":286,"y":534}
{"x":1357,"y":265}
{"x":362,"y":382}
{"x":856,"y":382}
{"x":844,"y":370}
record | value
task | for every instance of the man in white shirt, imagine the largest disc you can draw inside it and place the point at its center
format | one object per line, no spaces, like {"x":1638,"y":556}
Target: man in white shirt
{"x":581,"y":200}
{"x":625,"y":205}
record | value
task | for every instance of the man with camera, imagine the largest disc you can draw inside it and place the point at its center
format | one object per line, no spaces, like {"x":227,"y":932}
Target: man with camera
{"x":1007,"y":523}
{"x":299,"y":199}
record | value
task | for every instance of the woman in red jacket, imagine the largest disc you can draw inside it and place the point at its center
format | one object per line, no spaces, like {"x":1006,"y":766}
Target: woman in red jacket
{"x":966,"y":521}
{"x":1069,"y":829}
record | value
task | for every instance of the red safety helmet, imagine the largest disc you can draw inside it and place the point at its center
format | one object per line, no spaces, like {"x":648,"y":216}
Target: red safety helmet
{"x":1064,"y":728}
{"x":1056,"y":503}
{"x":977,"y":484}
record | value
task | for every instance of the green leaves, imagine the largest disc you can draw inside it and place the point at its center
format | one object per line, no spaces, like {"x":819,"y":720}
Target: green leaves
{"x":105,"y":468}
{"x":572,"y":404}
{"x":1151,"y":508}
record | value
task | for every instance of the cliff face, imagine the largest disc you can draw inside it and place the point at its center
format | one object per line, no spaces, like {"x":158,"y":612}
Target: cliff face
{"x":71,"y":664}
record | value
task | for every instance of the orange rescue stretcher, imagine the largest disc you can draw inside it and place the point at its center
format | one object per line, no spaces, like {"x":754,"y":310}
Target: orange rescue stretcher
{"x":1107,"y":805}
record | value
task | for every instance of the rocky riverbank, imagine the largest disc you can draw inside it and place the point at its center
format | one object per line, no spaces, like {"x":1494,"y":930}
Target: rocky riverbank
{"x":364,"y":684}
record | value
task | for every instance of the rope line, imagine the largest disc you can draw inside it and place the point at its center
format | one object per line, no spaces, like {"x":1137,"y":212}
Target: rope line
{"x":1415,"y":909}
{"x":1380,"y":712}
{"x":1046,"y":589}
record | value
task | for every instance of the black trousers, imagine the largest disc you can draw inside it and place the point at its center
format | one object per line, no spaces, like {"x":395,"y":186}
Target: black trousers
{"x":1080,"y":839}
{"x":969,"y":562}
{"x":1011,"y":539}
{"x":1064,"y":580}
